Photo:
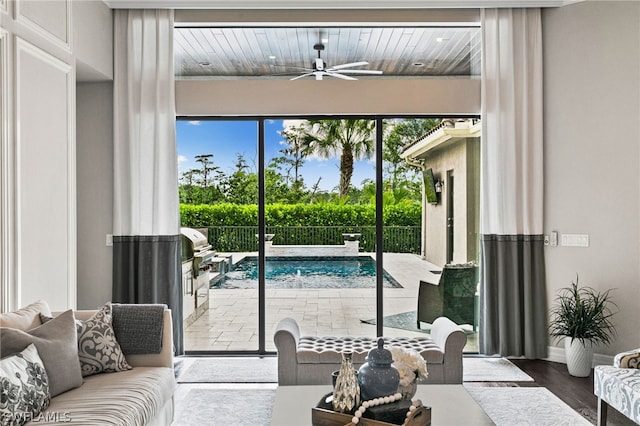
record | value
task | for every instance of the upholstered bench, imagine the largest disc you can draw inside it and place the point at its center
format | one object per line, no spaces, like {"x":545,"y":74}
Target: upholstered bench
{"x":618,"y":386}
{"x":309,"y":360}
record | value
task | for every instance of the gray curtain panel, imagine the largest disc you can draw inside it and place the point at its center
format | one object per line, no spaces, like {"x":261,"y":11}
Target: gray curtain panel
{"x":146,"y":225}
{"x":146,"y":269}
{"x":513,"y":312}
{"x":513,"y":307}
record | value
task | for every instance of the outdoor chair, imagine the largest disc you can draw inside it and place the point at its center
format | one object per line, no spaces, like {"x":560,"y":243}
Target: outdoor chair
{"x":454,"y":296}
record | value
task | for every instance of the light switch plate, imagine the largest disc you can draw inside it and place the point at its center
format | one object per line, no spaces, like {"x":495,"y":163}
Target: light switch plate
{"x":575,"y":240}
{"x":109,"y":240}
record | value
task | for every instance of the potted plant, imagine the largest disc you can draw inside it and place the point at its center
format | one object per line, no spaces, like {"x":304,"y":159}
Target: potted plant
{"x":582,"y":316}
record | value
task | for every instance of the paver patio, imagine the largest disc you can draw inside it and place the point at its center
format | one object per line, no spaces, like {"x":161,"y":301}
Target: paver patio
{"x":231,"y":322}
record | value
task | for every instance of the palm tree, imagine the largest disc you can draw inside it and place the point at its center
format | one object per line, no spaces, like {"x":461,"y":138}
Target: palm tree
{"x":352,"y":140}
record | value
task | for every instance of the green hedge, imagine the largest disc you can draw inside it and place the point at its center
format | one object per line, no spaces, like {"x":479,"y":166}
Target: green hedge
{"x":233,"y":227}
{"x":206,"y":215}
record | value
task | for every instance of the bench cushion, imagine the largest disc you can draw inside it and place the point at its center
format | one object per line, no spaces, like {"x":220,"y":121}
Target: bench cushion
{"x":620,"y":388}
{"x":327,"y":350}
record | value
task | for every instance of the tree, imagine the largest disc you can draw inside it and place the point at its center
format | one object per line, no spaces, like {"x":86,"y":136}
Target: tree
{"x":188,"y":190}
{"x":397,"y":135}
{"x":208,"y":173}
{"x":295,"y":153}
{"x":242,"y":186}
{"x":351,"y":140}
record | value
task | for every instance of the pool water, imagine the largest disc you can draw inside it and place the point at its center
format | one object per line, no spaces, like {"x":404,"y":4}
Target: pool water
{"x":310,"y":272}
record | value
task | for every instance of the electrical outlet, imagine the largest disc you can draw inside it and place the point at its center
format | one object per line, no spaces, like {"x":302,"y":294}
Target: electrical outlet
{"x":546,"y":240}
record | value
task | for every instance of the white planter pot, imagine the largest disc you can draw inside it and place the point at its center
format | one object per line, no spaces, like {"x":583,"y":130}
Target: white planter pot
{"x":579,"y":356}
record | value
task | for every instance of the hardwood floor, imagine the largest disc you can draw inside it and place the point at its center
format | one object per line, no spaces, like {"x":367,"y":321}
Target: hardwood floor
{"x":576,"y":392}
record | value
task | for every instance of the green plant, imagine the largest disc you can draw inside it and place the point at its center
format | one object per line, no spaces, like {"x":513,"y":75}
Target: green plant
{"x":583,"y":313}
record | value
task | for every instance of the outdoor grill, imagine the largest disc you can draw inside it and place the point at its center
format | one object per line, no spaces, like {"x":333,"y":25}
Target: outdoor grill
{"x":197,"y":249}
{"x":197,"y":259}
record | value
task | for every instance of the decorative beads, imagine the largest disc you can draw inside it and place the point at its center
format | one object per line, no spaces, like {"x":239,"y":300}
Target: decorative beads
{"x":383,"y":400}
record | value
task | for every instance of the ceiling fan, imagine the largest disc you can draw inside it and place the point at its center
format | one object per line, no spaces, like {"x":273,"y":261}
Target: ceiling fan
{"x":320,"y":68}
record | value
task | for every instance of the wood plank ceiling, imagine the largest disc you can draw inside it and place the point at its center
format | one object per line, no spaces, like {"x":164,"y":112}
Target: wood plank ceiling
{"x":283,"y":52}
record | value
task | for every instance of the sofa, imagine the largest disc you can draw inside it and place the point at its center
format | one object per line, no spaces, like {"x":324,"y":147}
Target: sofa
{"x":310,"y":360}
{"x":618,"y":386}
{"x":116,"y":387}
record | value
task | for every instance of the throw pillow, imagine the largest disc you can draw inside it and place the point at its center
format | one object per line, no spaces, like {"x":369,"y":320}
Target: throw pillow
{"x":629,"y":360}
{"x":57,"y":346}
{"x":25,"y":318}
{"x":24,"y":386}
{"x":98,"y":349}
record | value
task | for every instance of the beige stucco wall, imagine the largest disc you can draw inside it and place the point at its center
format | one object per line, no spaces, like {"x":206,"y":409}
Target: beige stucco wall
{"x":461,"y":160}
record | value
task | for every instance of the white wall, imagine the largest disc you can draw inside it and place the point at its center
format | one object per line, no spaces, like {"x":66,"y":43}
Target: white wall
{"x":329,"y":96}
{"x":95,"y":192}
{"x":38,"y":230}
{"x":592,"y":153}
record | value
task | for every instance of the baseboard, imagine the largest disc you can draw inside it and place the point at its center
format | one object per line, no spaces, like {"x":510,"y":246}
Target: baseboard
{"x":556,"y":354}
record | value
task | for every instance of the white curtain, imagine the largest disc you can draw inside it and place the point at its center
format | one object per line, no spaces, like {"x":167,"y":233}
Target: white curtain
{"x":146,"y":170}
{"x":513,"y":303}
{"x":146,"y":243}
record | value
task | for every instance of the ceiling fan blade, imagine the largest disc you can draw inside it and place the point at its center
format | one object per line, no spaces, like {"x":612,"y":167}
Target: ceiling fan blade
{"x":302,"y":76}
{"x":338,"y":75}
{"x":293,"y":67}
{"x":377,"y":72}
{"x":349,"y":65}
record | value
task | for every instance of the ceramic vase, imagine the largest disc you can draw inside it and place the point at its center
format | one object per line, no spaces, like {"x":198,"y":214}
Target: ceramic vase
{"x":579,"y":355}
{"x":346,"y":393}
{"x":408,"y":391}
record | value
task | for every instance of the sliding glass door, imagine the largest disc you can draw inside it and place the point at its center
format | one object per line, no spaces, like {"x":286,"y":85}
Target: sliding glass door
{"x":330,"y":221}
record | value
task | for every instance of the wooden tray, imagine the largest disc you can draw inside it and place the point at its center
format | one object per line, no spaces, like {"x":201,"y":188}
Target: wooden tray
{"x":321,"y":417}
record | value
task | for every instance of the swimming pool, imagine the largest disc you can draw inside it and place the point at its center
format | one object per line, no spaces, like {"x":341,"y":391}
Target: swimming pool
{"x":306,"y":272}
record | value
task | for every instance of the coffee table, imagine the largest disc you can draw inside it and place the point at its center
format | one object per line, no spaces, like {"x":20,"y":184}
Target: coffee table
{"x":450,"y":405}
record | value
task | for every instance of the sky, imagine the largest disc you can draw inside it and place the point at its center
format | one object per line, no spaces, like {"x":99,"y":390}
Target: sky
{"x":226,"y":139}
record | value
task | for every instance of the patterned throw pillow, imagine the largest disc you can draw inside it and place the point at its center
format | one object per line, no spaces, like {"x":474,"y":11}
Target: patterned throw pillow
{"x":630,"y":360}
{"x":98,"y":349}
{"x":24,"y":387}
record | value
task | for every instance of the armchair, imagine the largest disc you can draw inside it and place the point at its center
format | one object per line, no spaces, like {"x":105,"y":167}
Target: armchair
{"x":454,"y":296}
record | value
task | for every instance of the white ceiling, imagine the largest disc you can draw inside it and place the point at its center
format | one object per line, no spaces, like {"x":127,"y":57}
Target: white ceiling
{"x":263,"y":52}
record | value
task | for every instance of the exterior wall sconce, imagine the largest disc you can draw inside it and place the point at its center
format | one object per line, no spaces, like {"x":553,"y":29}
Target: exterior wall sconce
{"x":438,"y":185}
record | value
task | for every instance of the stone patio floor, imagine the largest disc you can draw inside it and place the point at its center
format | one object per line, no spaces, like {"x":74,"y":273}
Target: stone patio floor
{"x":231,"y":322}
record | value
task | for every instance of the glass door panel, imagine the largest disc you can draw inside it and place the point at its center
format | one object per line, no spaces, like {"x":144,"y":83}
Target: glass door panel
{"x":219,"y":196}
{"x":320,"y":225}
{"x":421,"y":157}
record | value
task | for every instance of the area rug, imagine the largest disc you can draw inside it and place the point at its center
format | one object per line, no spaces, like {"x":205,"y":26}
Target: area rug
{"x":514,"y":406}
{"x":225,"y":407}
{"x":506,"y":406}
{"x":478,"y":369}
{"x":230,"y":370}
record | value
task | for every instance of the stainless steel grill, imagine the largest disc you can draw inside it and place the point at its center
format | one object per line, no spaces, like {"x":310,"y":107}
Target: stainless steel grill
{"x":197,"y":259}
{"x":195,"y":247}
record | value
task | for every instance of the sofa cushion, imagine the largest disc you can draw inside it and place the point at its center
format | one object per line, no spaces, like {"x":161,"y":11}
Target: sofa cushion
{"x":24,"y":386}
{"x":57,"y":346}
{"x":25,"y":318}
{"x":98,"y":349}
{"x":131,"y":397}
{"x":328,"y":350}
